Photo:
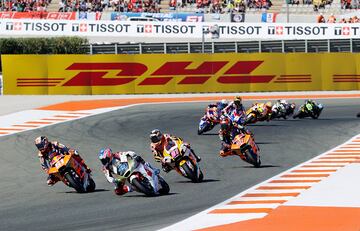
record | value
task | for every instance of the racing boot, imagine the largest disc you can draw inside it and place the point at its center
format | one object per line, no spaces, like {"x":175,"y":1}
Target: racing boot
{"x":122,"y":189}
{"x":225,"y":150}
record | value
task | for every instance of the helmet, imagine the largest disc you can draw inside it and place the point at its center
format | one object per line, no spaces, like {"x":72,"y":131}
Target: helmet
{"x":105,"y":156}
{"x":224,"y":123}
{"x":238,"y":101}
{"x":41,"y":143}
{"x":156,"y":136}
{"x":224,"y":101}
{"x":268,"y":104}
{"x":283,"y":101}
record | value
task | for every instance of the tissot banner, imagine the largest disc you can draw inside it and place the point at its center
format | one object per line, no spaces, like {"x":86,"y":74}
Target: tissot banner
{"x":170,"y":29}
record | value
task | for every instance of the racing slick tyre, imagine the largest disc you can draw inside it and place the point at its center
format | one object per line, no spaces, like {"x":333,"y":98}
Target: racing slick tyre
{"x":165,"y":189}
{"x":73,"y":181}
{"x":251,"y":159}
{"x":91,"y":187}
{"x":143,"y":187}
{"x":190,"y":174}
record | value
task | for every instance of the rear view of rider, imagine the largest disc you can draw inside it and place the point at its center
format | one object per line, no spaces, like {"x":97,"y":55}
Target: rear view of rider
{"x":228,"y":131}
{"x":228,"y":128}
{"x":219,"y":105}
{"x":159,"y":141}
{"x":112,"y":161}
{"x":48,"y":150}
{"x":234,"y":106}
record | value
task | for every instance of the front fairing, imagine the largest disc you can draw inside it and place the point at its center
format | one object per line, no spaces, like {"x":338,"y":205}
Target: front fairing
{"x":123,"y":170}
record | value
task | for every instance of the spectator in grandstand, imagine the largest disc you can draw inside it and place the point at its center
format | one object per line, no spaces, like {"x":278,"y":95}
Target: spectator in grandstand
{"x":216,"y":7}
{"x":342,"y":20}
{"x":331,"y":19}
{"x":230,"y":6}
{"x":346,"y":4}
{"x":321,"y":18}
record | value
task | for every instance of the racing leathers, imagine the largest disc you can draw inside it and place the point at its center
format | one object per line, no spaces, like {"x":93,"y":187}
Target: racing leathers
{"x":168,"y":141}
{"x":232,"y":123}
{"x":53,"y":149}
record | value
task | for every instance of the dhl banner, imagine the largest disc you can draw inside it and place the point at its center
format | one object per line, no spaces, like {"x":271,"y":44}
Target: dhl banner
{"x":178,"y":73}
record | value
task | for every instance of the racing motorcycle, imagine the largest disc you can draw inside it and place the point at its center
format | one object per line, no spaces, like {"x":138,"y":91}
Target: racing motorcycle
{"x":208,"y":121}
{"x":143,"y":180}
{"x":245,"y":147}
{"x":258,"y":112}
{"x":181,"y":158}
{"x":309,"y":110}
{"x":282,"y":111}
{"x":71,"y":173}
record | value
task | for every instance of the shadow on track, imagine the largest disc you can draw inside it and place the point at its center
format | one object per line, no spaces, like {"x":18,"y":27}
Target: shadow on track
{"x":209,"y":134}
{"x":262,"y":166}
{"x":204,"y":181}
{"x":143,"y":195}
{"x":96,"y":190}
{"x":267,"y":142}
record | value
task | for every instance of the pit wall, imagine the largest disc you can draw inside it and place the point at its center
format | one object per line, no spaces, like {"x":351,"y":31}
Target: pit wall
{"x":178,"y":73}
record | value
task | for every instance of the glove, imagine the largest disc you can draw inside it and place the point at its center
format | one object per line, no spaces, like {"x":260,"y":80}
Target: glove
{"x":166,"y":160}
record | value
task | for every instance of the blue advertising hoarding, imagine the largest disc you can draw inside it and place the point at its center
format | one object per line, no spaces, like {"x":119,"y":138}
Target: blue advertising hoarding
{"x":184,"y":17}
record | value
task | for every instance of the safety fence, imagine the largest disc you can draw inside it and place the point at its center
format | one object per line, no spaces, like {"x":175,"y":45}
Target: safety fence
{"x":179,"y":73}
{"x":261,"y":46}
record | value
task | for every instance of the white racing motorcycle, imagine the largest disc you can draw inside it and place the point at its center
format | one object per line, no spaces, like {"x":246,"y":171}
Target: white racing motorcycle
{"x":142,"y":177}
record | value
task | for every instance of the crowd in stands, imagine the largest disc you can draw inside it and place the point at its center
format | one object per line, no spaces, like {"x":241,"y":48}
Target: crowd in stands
{"x":24,"y":5}
{"x":332,"y":19}
{"x":150,"y":6}
{"x":220,"y":6}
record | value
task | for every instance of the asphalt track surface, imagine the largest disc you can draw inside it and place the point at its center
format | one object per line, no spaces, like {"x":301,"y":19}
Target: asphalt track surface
{"x":27,"y":203}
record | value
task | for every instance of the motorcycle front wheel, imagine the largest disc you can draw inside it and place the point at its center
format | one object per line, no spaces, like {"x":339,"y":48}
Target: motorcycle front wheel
{"x":142,"y":187}
{"x":190,"y":173}
{"x":74,"y":181}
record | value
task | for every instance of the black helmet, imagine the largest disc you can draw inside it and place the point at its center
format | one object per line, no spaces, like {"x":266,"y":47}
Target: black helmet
{"x":156,"y":136}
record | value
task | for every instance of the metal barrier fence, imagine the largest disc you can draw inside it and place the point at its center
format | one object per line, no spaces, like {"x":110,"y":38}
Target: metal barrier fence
{"x":282,"y":46}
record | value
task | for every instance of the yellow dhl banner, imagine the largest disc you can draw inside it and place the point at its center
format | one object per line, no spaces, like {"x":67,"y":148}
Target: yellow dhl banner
{"x":179,"y":73}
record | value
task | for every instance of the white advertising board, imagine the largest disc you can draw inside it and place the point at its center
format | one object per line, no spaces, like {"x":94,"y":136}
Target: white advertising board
{"x":236,"y":31}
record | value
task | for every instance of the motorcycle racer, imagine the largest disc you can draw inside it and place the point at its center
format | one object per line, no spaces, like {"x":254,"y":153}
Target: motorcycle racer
{"x":219,"y":105}
{"x":279,"y":109}
{"x":112,"y":162}
{"x":263,"y":110}
{"x":47,"y":151}
{"x":234,"y":106}
{"x":159,"y":141}
{"x":228,"y":131}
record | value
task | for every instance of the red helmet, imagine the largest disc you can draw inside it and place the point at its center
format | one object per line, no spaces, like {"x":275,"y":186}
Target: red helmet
{"x":41,"y":143}
{"x":105,"y":156}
